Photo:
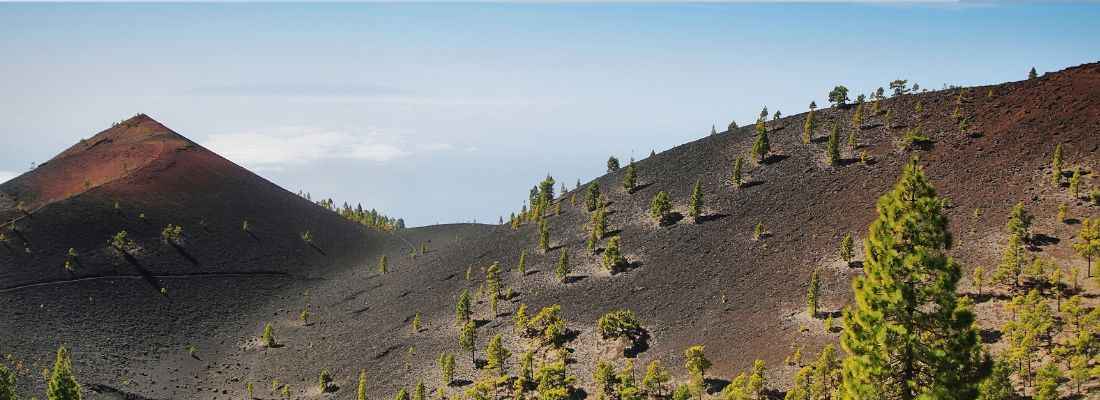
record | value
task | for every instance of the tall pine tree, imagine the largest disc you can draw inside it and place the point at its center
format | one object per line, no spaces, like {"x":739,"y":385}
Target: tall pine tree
{"x":908,"y":336}
{"x":761,"y":147}
{"x":62,"y":383}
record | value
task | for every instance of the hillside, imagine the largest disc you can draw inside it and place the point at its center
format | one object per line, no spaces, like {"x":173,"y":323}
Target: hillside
{"x":706,"y":283}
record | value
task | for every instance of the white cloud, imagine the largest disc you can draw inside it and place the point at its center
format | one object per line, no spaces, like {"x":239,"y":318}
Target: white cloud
{"x":7,"y":175}
{"x":274,"y":149}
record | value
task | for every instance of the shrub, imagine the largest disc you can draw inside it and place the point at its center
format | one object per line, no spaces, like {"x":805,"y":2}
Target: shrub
{"x":660,"y":207}
{"x":612,"y":258}
{"x":612,"y":164}
{"x":620,"y":324}
{"x":914,"y":137}
{"x":839,"y":96}
{"x":307,"y":237}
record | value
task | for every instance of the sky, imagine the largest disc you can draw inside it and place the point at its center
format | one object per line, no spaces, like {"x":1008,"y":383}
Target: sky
{"x":441,"y":113}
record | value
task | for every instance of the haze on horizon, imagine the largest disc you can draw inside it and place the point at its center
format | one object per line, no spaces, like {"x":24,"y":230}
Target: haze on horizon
{"x":450,"y":113}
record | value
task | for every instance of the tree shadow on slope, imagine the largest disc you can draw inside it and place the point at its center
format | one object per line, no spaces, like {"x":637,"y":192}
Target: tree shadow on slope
{"x":145,"y":274}
{"x":990,"y":336}
{"x":671,"y":219}
{"x":183,"y":253}
{"x":710,"y":217}
{"x":774,"y":158}
{"x":715,"y":385}
{"x":639,"y":188}
{"x":1042,"y":240}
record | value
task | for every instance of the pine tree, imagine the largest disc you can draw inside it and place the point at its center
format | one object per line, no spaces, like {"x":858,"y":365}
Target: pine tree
{"x":416,"y":322}
{"x":562,"y":270}
{"x":737,"y":180}
{"x":493,"y":286}
{"x":761,"y":147}
{"x":1019,"y":223}
{"x":7,"y":383}
{"x":852,"y":142}
{"x":998,"y":386}
{"x":612,"y":164}
{"x":268,"y":336}
{"x":544,"y":237}
{"x":977,"y":277}
{"x":631,"y":178}
{"x":1032,"y":74}
{"x":62,"y":384}
{"x":1088,"y":242}
{"x":812,"y":295}
{"x":1056,"y":166}
{"x":612,"y":258}
{"x":446,"y":363}
{"x":497,"y":355}
{"x":402,"y":394}
{"x":383,"y":265}
{"x":832,"y":147}
{"x":732,"y":127}
{"x":419,"y":391}
{"x":522,"y":267}
{"x":467,"y":338}
{"x":462,"y":307}
{"x":695,"y":209}
{"x":592,"y":197}
{"x":908,"y":336}
{"x":839,"y":96}
{"x":361,"y":390}
{"x":846,"y":248}
{"x":713,"y":130}
{"x":660,"y":208}
{"x":1008,"y":270}
{"x":697,"y":365}
{"x":656,"y":379}
{"x":1048,"y":381}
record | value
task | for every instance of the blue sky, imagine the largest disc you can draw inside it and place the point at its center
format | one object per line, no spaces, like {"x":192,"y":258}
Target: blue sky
{"x":451,"y":112}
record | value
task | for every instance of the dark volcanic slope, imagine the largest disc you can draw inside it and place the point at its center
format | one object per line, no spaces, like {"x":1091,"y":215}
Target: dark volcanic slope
{"x":706,"y":283}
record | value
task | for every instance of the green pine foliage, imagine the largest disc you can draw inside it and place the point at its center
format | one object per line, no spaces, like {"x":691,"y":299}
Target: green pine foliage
{"x":839,"y":96}
{"x":1019,"y":223}
{"x":462,"y":307}
{"x":1088,"y":242}
{"x":324,"y":383}
{"x":697,"y":364}
{"x":1008,"y":270}
{"x":522,"y":266}
{"x":612,"y":164}
{"x":544,"y":236}
{"x":656,"y":379}
{"x":562,"y":270}
{"x":660,"y":208}
{"x":998,"y":386}
{"x":695,"y":208}
{"x":847,"y":251}
{"x":1075,"y":183}
{"x":7,"y":383}
{"x":467,"y":339}
{"x":267,"y":338}
{"x":908,"y":336}
{"x":630,"y":180}
{"x":592,"y":197}
{"x":62,"y":384}
{"x":761,"y":146}
{"x":1032,"y":74}
{"x":832,"y":147}
{"x":446,"y":364}
{"x":612,"y":257}
{"x":497,"y":356}
{"x":383,"y":265}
